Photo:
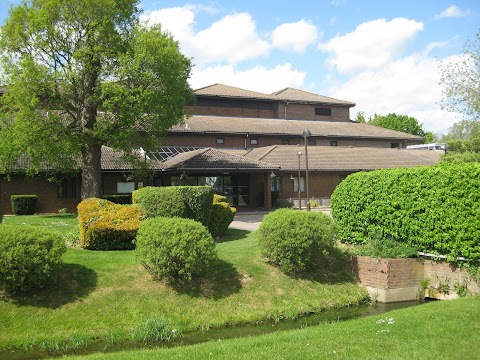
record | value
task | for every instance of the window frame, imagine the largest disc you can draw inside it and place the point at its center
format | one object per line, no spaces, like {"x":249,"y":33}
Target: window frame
{"x":323,"y":111}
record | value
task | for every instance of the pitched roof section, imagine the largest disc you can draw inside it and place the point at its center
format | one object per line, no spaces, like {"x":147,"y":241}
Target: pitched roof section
{"x":296,"y":95}
{"x":213,"y":159}
{"x":220,"y":90}
{"x":325,"y":129}
{"x":336,"y":158}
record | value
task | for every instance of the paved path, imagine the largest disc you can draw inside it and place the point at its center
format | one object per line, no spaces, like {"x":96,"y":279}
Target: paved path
{"x":251,"y":220}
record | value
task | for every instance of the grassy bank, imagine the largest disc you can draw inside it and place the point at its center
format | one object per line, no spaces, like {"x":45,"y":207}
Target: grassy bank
{"x":101,"y":295}
{"x":440,"y":330}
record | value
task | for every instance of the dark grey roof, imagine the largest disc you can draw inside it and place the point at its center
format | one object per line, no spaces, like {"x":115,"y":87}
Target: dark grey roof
{"x":337,"y":158}
{"x":326,"y":129}
{"x":208,"y":158}
{"x":296,"y":95}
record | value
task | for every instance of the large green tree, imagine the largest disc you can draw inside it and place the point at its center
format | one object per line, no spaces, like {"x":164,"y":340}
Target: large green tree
{"x":404,"y":123}
{"x":461,"y":82}
{"x":85,"y":73}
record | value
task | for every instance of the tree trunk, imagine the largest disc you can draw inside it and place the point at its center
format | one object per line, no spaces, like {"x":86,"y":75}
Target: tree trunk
{"x":91,"y":170}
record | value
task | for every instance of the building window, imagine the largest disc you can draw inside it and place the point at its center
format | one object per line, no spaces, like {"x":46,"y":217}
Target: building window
{"x":220,"y":140}
{"x":285,"y":141}
{"x":67,"y":188}
{"x":333,"y":143}
{"x":395,"y":145}
{"x":302,"y":184}
{"x":253,"y":141}
{"x":312,"y":142}
{"x":277,"y":184}
{"x":125,"y":187}
{"x":323,"y":111}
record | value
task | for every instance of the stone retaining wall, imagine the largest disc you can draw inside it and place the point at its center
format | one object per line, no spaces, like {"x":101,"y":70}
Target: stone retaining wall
{"x":393,"y":280}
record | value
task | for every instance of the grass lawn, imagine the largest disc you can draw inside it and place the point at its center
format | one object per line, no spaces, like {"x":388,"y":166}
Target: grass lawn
{"x":59,"y":222}
{"x":440,"y":330}
{"x":106,"y":295}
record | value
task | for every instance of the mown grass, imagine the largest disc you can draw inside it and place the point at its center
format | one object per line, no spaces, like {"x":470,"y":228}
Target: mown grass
{"x":440,"y":330}
{"x":59,"y":222}
{"x":107,"y":295}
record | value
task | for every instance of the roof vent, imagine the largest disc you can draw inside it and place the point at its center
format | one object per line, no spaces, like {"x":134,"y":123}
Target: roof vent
{"x":186,"y":126}
{"x":351,"y":146}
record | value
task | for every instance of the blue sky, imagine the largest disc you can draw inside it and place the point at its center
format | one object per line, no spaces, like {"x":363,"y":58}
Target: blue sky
{"x":382,"y":55}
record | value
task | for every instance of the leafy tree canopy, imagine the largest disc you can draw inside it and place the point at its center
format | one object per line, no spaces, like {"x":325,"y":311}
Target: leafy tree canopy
{"x":85,"y":73}
{"x":461,"y":82}
{"x":402,"y":123}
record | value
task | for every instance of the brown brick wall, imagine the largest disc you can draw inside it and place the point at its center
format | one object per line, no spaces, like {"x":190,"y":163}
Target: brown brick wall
{"x":47,"y":192}
{"x":320,"y":185}
{"x":238,"y":141}
{"x":307,"y":112}
{"x":441,"y":273}
{"x":228,"y":111}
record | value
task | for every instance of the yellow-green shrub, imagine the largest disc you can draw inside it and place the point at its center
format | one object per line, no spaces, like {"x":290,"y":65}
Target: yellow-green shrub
{"x":222,"y":215}
{"x":107,"y":226}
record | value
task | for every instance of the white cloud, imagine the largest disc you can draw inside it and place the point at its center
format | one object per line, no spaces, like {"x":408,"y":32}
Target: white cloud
{"x":453,"y":12}
{"x":372,"y":45}
{"x":409,"y":86}
{"x":231,"y":39}
{"x":296,"y":36}
{"x":258,"y":78}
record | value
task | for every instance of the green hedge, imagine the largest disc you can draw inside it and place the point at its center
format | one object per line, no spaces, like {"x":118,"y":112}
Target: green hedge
{"x":221,"y":217}
{"x":175,"y":249}
{"x":434,"y":209}
{"x":193,"y":202}
{"x":296,"y":240}
{"x":24,"y":204}
{"x":28,"y":257}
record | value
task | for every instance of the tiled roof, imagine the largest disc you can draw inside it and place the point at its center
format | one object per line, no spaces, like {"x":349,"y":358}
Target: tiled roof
{"x":328,"y":129}
{"x":336,"y":158}
{"x":221,"y":90}
{"x":111,"y":160}
{"x":296,"y":95}
{"x":214,"y":159}
{"x":290,"y":94}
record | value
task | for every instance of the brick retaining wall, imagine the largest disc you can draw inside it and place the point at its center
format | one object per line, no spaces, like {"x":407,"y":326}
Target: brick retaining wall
{"x":392,"y":280}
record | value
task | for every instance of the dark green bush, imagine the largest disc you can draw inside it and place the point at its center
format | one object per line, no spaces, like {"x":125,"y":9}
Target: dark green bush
{"x":24,"y":204}
{"x":160,"y":201}
{"x":221,"y":217}
{"x":175,"y":249}
{"x":28,"y":257}
{"x":433,"y":209}
{"x":107,"y":226}
{"x":118,"y":199}
{"x":192,"y":202}
{"x":296,"y":240}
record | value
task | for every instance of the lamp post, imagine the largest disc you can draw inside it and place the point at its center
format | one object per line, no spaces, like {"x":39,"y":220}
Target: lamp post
{"x":306,"y":134}
{"x":298,"y":182}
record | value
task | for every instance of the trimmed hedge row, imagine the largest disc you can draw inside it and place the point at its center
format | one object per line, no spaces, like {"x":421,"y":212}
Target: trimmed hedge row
{"x":24,"y":204}
{"x":192,"y":202}
{"x":105,"y":225}
{"x":28,"y":257}
{"x":434,"y":209}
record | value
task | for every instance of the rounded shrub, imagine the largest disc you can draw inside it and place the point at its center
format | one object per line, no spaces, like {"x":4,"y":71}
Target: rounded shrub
{"x":28,"y":257}
{"x":295,"y":240}
{"x":174,"y":248}
{"x":222,"y":215}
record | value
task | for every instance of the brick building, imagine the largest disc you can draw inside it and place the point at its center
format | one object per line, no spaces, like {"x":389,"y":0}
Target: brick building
{"x":245,"y":144}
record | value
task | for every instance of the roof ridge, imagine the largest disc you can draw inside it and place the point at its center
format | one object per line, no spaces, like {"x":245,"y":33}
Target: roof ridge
{"x":273,"y":147}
